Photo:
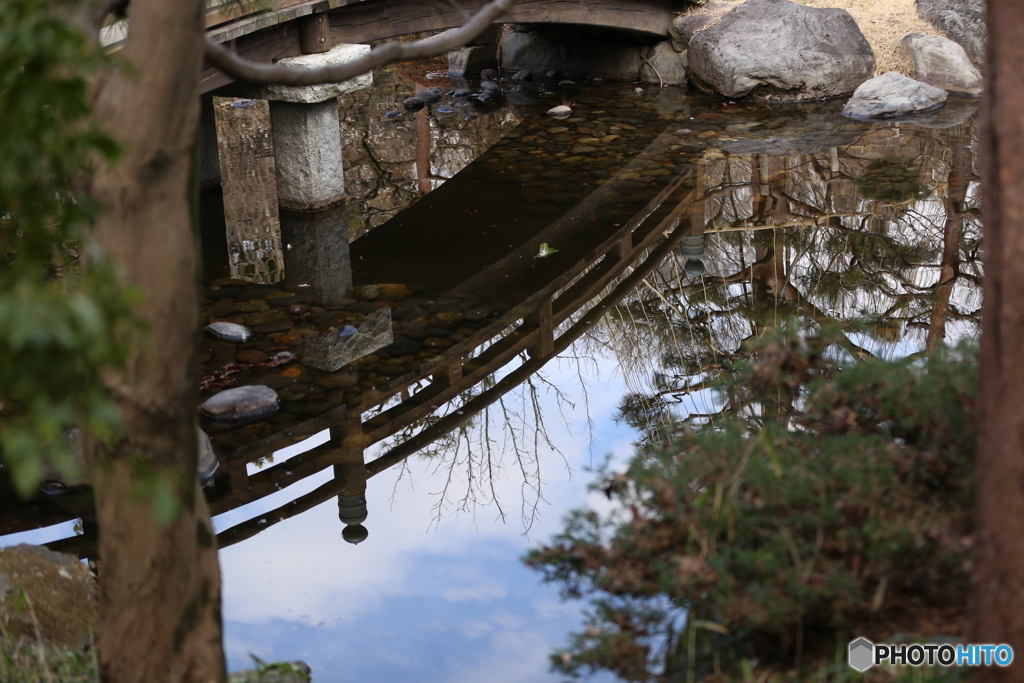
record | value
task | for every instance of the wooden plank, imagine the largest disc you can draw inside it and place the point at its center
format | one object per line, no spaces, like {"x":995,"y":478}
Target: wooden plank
{"x":282,"y":41}
{"x":367,"y":21}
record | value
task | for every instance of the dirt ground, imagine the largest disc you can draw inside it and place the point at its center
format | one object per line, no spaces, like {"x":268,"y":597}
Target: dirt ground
{"x":883,"y":23}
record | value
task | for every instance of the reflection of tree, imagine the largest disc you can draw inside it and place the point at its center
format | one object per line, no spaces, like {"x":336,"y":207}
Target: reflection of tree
{"x":881,"y":238}
{"x":509,"y":439}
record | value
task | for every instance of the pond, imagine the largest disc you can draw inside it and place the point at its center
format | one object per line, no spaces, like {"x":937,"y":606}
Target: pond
{"x":531,"y":297}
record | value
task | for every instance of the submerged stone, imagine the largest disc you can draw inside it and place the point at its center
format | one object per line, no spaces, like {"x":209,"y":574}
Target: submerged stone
{"x":241,"y":405}
{"x":229,"y":332}
{"x":413,"y":104}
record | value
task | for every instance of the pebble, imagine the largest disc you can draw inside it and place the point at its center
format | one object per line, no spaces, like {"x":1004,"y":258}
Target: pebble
{"x":343,"y":379}
{"x":241,"y":405}
{"x":560,"y":112}
{"x":523,"y":75}
{"x":229,"y":332}
{"x":567,"y":82}
{"x":403,"y":347}
{"x":394,"y":114}
{"x":446,"y":109}
{"x":429,"y":96}
{"x":251,"y":357}
{"x":366,"y":292}
{"x":413,"y":104}
{"x":461,"y":94}
{"x":297,"y":309}
{"x":490,"y":86}
{"x":438,"y":342}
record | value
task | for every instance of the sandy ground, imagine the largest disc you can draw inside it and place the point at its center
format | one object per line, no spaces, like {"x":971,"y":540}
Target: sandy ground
{"x":883,"y":22}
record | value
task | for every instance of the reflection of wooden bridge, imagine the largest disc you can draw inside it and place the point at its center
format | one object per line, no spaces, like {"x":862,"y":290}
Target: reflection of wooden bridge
{"x":555,"y":311}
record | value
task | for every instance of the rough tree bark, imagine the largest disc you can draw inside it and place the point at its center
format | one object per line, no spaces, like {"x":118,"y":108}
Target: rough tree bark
{"x":997,"y":605}
{"x":160,"y":585}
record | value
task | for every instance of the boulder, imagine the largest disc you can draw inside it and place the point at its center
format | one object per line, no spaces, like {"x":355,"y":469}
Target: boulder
{"x":782,"y":51}
{"x":940,"y":62}
{"x":685,"y":26}
{"x":470,"y":60}
{"x":962,"y":20}
{"x":666,"y":66}
{"x":893,"y":94}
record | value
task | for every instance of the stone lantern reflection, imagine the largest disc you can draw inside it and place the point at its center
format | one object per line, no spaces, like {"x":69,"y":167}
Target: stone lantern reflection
{"x":350,"y":474}
{"x":692,"y":248}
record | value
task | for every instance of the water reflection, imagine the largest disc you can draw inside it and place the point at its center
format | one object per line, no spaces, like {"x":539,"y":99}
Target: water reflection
{"x":676,"y":231}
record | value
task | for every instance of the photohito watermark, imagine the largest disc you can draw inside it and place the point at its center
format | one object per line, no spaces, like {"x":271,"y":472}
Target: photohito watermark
{"x":864,"y":654}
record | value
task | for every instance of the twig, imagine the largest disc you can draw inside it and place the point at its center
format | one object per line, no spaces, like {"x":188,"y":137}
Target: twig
{"x":661,"y":81}
{"x":253,"y":72}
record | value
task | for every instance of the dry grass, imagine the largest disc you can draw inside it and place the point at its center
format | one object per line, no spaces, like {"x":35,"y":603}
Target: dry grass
{"x":883,"y":23}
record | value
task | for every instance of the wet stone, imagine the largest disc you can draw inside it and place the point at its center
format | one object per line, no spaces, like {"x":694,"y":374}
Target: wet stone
{"x":223,"y":293}
{"x":229,"y":332}
{"x":241,"y":405}
{"x":297,"y":309}
{"x":413,"y":104}
{"x":402,"y":347}
{"x":437,"y":342}
{"x":274,"y":326}
{"x":345,"y":379}
{"x":366,"y":292}
{"x":251,"y":357}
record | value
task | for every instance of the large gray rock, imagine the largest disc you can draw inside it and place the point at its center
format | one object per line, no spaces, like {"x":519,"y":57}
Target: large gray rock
{"x":781,"y":51}
{"x":961,"y":20}
{"x":666,"y":66}
{"x":893,"y":94}
{"x":940,"y":62}
{"x":241,"y":405}
{"x":472,"y":59}
{"x":685,"y":26}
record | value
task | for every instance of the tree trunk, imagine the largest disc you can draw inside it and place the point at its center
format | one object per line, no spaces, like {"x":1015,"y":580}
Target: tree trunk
{"x":949,"y":270}
{"x":997,"y":606}
{"x":160,"y":584}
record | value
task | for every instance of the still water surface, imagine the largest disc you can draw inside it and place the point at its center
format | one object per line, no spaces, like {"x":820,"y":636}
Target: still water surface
{"x":550,"y":292}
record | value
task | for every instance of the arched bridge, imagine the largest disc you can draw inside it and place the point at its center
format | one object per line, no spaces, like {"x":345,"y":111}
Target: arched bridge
{"x":263,"y":35}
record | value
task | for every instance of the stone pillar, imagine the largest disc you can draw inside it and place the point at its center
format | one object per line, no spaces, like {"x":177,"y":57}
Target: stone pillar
{"x":307,"y":136}
{"x":316,"y":254}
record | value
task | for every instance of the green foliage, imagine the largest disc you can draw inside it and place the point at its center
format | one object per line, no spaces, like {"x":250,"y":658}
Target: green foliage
{"x":34,"y":663}
{"x":59,"y":327}
{"x":833,"y":501}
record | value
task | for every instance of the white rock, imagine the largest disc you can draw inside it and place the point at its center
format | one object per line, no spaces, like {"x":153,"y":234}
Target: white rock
{"x":241,"y":405}
{"x":940,"y":62}
{"x":229,"y":332}
{"x":893,"y":94}
{"x":560,"y":112}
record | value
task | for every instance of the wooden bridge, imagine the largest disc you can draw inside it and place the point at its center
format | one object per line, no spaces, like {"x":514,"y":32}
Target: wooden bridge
{"x":287,"y":28}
